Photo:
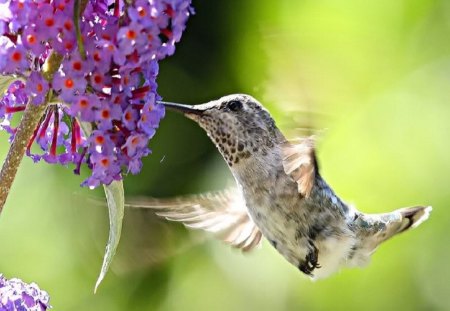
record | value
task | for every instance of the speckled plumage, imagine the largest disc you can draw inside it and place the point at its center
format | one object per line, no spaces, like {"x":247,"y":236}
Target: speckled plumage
{"x":279,"y":186}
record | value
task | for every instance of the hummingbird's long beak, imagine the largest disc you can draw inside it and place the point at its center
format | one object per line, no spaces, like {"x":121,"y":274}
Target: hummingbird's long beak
{"x":185,"y":109}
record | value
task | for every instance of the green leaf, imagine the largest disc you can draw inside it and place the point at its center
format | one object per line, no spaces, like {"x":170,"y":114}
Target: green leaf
{"x":5,"y":82}
{"x":116,"y":202}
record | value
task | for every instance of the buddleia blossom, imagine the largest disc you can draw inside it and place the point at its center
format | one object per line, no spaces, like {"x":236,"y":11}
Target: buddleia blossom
{"x":106,"y":81}
{"x":16,"y":295}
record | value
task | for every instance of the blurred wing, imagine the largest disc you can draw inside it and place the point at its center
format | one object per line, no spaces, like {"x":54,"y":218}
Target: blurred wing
{"x":222,"y":213}
{"x":299,"y":161}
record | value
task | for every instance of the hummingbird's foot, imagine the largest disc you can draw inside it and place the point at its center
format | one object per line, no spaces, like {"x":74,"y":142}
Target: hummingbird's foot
{"x":311,"y":261}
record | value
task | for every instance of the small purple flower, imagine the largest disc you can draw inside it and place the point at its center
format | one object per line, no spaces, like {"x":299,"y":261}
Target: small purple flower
{"x":99,"y":142}
{"x":130,"y":117}
{"x":69,"y":85}
{"x":84,"y":107}
{"x":99,"y":80}
{"x":37,"y":88}
{"x":65,"y":44}
{"x":135,"y":144}
{"x":16,"y":295}
{"x":31,"y":40}
{"x":47,"y":21}
{"x":130,"y":36}
{"x":105,"y":169}
{"x":76,"y":67}
{"x":141,"y":12}
{"x":134,"y":166}
{"x":15,"y":59}
{"x":64,"y":17}
{"x":126,"y":82}
{"x":14,"y":100}
{"x":150,"y":118}
{"x":21,"y":12}
{"x":106,"y":114}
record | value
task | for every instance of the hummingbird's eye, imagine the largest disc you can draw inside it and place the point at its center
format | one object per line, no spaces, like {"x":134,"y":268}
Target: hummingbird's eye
{"x":235,"y":105}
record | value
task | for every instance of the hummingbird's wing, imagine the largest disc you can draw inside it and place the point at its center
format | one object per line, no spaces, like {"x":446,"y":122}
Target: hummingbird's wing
{"x":299,"y":161}
{"x":223,"y":213}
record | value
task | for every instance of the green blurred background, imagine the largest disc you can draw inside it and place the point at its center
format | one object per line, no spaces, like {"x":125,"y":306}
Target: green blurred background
{"x":374,"y":74}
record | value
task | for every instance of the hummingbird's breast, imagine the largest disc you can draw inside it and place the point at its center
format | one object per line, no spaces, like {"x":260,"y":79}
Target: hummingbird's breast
{"x":293,"y":224}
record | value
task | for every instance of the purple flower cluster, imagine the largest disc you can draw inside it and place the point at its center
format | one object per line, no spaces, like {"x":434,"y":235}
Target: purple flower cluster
{"x":106,"y":81}
{"x":20,"y":296}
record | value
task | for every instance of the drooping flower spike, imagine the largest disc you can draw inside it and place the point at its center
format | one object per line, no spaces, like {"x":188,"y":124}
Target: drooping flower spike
{"x":107,"y":79}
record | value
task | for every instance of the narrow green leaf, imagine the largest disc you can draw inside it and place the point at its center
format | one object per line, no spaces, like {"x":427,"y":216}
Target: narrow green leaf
{"x":116,"y":202}
{"x":115,"y":198}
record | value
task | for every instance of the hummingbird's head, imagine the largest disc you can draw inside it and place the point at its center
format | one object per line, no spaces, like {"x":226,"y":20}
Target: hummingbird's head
{"x":238,"y":124}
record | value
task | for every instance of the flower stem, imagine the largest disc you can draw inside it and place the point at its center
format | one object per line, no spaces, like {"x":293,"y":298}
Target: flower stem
{"x":79,"y":7}
{"x":30,"y":119}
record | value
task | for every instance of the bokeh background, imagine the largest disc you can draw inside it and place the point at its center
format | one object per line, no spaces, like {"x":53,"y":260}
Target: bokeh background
{"x":372,"y":76}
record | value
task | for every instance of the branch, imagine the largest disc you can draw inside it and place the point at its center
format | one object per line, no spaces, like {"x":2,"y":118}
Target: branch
{"x":30,"y":119}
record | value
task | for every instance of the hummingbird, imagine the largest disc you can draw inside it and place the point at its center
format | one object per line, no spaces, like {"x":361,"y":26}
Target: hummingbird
{"x":279,"y":195}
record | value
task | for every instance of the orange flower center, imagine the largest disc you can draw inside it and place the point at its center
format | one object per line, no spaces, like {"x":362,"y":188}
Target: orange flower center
{"x":131,"y":34}
{"x":135,"y":141}
{"x":83,"y":104}
{"x":77,"y":66}
{"x":68,"y":25}
{"x":98,"y":79}
{"x":142,"y":12}
{"x":97,"y":57}
{"x":49,"y":22}
{"x":100,"y":140}
{"x":68,"y":45}
{"x":105,"y":114}
{"x":68,"y":83}
{"x":117,"y":100}
{"x":31,"y":39}
{"x":16,"y":56}
{"x":128,"y":116}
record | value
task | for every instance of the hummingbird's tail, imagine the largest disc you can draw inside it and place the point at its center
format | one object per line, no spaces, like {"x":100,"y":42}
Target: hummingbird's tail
{"x":373,"y":229}
{"x":413,"y":216}
{"x":385,"y":226}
